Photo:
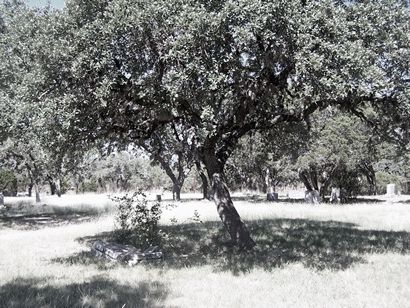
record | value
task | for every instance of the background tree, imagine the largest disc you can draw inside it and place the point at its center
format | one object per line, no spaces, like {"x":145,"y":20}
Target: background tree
{"x":173,"y":148}
{"x":392,"y":167}
{"x":263,"y":160}
{"x":341,"y":149}
{"x":119,"y":171}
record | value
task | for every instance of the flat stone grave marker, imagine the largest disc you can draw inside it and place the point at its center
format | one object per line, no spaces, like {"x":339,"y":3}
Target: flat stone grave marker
{"x":125,"y":253}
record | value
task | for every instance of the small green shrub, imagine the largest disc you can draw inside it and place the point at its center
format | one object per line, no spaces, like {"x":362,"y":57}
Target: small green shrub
{"x":137,"y":220}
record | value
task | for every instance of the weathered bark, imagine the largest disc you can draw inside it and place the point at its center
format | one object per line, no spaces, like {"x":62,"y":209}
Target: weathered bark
{"x":34,"y":175}
{"x":30,"y":189}
{"x":37,"y":192}
{"x":304,"y":179}
{"x":205,"y":192}
{"x":31,"y":184}
{"x":373,"y":187}
{"x":230,"y":218}
{"x":371,"y":180}
{"x":53,"y":187}
{"x":14,"y":188}
{"x":314,"y":179}
{"x":204,"y":180}
{"x":58,"y":188}
{"x":315,"y":189}
{"x":214,"y":165}
{"x":176,"y":192}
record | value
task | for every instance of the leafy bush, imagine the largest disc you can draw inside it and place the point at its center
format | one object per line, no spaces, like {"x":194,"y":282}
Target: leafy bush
{"x":138,"y":220}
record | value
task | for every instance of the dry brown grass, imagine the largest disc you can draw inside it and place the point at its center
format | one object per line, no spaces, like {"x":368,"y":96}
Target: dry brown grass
{"x":307,"y":256}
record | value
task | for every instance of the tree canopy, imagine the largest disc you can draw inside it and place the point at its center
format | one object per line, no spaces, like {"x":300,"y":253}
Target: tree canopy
{"x":116,"y":72}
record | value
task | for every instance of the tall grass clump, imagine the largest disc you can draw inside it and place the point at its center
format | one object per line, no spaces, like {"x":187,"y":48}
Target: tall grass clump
{"x":137,"y":220}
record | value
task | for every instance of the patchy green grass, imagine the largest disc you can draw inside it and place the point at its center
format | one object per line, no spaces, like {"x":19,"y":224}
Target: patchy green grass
{"x":307,"y":256}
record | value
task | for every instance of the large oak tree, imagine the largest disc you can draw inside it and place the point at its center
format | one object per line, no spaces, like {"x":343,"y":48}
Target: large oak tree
{"x":126,"y":68}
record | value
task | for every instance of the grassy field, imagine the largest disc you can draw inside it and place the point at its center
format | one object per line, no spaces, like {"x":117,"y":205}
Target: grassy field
{"x":307,"y":256}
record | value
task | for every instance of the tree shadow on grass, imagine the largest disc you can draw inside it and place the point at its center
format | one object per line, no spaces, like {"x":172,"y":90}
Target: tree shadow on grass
{"x":363,"y":200}
{"x":99,"y":292}
{"x":326,"y":201}
{"x":38,"y":221}
{"x":33,"y":218}
{"x":315,"y":244}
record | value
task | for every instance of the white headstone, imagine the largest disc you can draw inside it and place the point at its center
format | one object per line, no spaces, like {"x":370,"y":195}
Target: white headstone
{"x":335,"y":195}
{"x":391,"y":189}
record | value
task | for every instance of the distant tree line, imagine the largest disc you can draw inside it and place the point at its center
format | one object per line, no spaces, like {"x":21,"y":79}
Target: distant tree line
{"x":339,"y":150}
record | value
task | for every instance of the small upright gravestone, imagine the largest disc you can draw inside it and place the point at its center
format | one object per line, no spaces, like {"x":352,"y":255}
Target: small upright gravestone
{"x":391,"y":190}
{"x":335,"y":195}
{"x":1,"y":199}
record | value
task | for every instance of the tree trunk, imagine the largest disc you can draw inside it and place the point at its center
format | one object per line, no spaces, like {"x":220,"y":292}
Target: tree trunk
{"x":58,"y":188}
{"x":368,"y":170}
{"x":313,"y":176}
{"x":14,"y":188}
{"x":205,"y":192}
{"x":371,"y":179}
{"x":37,"y":192}
{"x":30,"y":189}
{"x":53,"y":187}
{"x":304,"y":179}
{"x":230,"y":218}
{"x":176,"y":192}
{"x":204,"y":180}
{"x":30,"y":185}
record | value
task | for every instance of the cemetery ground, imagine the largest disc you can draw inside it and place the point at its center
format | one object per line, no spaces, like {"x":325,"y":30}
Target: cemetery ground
{"x":355,"y":255}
